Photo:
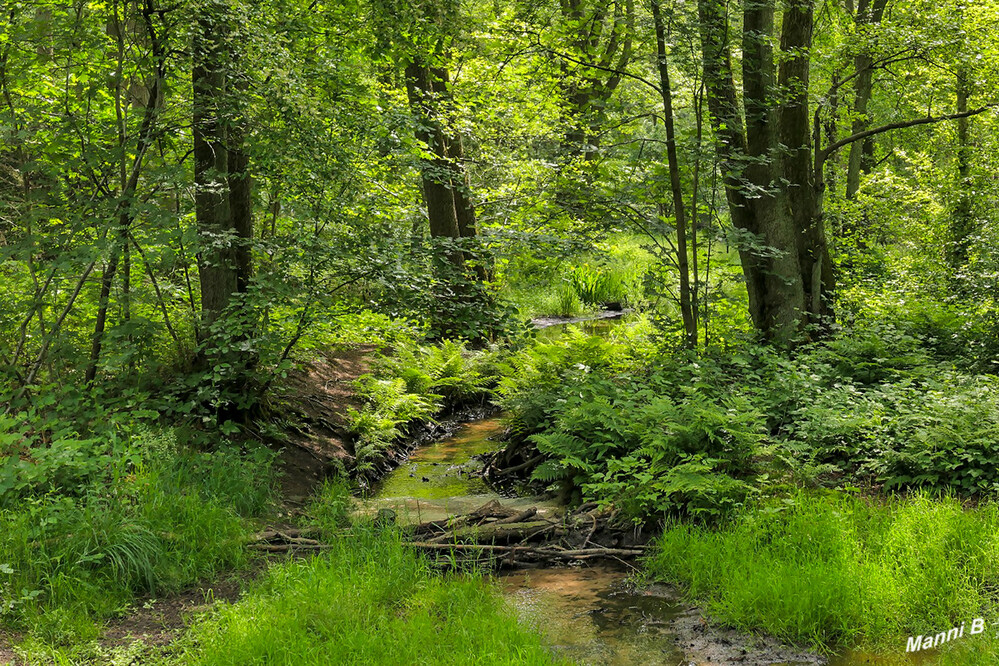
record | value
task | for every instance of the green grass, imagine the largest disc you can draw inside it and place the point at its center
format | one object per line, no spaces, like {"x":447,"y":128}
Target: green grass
{"x":159,"y":520}
{"x":831,"y":570}
{"x":581,"y":283}
{"x":369,"y":600}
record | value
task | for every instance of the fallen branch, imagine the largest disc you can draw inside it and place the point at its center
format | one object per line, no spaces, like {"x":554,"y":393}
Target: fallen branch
{"x":286,"y":547}
{"x":291,"y":535}
{"x":519,"y":518}
{"x":524,"y":465}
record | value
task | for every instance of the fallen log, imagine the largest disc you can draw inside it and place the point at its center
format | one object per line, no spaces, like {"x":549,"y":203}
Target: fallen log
{"x":545,"y":553}
{"x":505,"y":533}
{"x":284,"y":534}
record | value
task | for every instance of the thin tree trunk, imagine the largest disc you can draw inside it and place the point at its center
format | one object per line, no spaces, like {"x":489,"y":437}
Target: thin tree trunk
{"x":962,"y":224}
{"x":679,"y":212}
{"x":129,"y":187}
{"x":868,"y":14}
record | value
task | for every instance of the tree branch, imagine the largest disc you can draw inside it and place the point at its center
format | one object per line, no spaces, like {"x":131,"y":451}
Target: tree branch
{"x":860,"y":136}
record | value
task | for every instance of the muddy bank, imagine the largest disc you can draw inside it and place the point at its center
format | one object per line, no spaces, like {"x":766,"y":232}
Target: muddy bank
{"x":316,"y":441}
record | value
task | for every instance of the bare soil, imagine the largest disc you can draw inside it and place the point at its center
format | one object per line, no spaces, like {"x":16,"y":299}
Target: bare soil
{"x":157,"y":622}
{"x":7,"y":641}
{"x":316,"y":399}
{"x":708,"y":644}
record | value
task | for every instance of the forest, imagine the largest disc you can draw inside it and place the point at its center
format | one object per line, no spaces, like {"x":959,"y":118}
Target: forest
{"x":372,"y":331}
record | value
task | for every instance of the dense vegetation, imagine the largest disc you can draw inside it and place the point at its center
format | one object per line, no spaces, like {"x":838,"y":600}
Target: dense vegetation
{"x":796,"y":201}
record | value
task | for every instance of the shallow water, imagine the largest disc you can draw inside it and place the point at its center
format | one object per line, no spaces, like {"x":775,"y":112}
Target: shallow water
{"x":443,"y":478}
{"x":591,"y":616}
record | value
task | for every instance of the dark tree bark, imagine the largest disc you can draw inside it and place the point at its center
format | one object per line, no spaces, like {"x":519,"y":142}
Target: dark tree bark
{"x":730,"y":143}
{"x":241,"y":209}
{"x":216,"y":256}
{"x":436,"y":171}
{"x":223,"y":186}
{"x":794,"y":135}
{"x":768,"y":165}
{"x":454,"y":151}
{"x":446,"y":187}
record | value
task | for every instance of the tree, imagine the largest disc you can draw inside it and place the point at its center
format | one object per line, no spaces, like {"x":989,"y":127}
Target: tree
{"x":687,"y":307}
{"x":128,"y":173}
{"x":421,"y":37}
{"x":868,"y":15}
{"x":600,"y":32}
{"x":774,"y":164}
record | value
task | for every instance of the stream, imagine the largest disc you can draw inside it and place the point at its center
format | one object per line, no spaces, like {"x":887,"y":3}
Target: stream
{"x":591,"y":614}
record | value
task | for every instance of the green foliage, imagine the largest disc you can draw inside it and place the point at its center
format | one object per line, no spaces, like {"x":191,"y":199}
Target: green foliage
{"x":533,"y":378}
{"x":831,"y":570}
{"x":698,"y":436}
{"x":64,"y":464}
{"x":389,"y":410}
{"x":368,"y":600}
{"x":567,"y":302}
{"x":598,"y":287}
{"x":621,"y":441}
{"x":576,"y":278}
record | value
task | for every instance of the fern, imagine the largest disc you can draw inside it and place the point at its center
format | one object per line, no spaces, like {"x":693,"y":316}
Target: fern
{"x":549,"y":471}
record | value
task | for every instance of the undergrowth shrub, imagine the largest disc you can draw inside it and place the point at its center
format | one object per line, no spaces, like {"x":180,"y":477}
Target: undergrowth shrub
{"x":623,"y":441}
{"x":698,"y":435}
{"x":534,"y":378}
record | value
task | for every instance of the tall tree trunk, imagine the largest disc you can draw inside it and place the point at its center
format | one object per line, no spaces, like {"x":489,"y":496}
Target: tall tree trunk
{"x":730,"y":145}
{"x":436,"y":172}
{"x":454,"y":151}
{"x":129,"y":184}
{"x":768,"y":167}
{"x":216,"y":255}
{"x":241,"y":207}
{"x":603,"y":37}
{"x":783,"y":300}
{"x":687,"y":312}
{"x":815,"y":274}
